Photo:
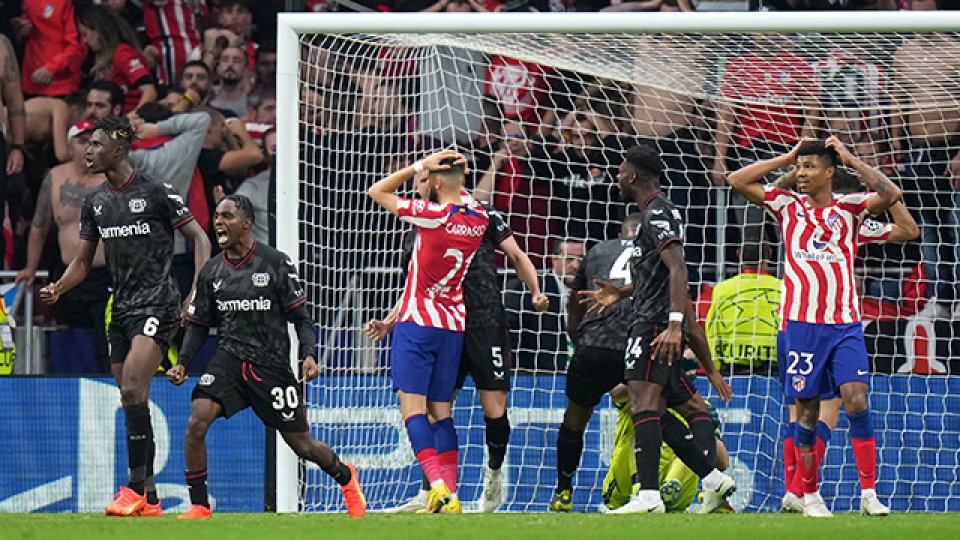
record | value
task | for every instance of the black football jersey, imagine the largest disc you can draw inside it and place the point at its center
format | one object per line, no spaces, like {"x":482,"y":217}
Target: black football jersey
{"x":482,"y":287}
{"x":607,"y":261}
{"x":660,"y":225}
{"x":136,"y":223}
{"x":249,"y":301}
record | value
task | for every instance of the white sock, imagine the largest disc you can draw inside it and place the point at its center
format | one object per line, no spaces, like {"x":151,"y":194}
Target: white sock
{"x":868,"y":493}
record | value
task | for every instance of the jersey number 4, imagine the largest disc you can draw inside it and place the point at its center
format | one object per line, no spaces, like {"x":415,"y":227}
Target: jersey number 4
{"x":621,"y":267}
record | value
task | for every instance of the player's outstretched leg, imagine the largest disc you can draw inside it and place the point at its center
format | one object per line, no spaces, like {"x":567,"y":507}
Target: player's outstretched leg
{"x":717,"y":486}
{"x":139,"y":367}
{"x":345,"y":474}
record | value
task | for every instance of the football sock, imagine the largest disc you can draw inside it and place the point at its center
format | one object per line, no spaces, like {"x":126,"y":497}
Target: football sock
{"x":337,"y":470}
{"x":422,"y":441}
{"x":497,"y":435}
{"x":704,"y":434}
{"x":139,"y":441}
{"x":823,"y":433}
{"x":806,"y":459}
{"x":197,"y":485}
{"x":790,"y":460}
{"x":679,"y":438}
{"x":447,"y":454}
{"x":150,"y":483}
{"x":647,"y":438}
{"x":569,"y":448}
{"x":425,"y":485}
{"x":864,"y":448}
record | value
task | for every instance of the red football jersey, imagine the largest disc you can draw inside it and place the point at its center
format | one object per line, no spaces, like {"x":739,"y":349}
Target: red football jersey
{"x":448,"y":236}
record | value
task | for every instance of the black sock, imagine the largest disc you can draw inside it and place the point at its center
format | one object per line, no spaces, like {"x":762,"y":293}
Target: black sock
{"x":197,"y":485}
{"x":678,"y":437}
{"x":569,"y":448}
{"x":425,"y":485}
{"x":139,"y":441}
{"x":150,"y":483}
{"x":704,"y":434}
{"x":646,"y":433}
{"x":338,"y":471}
{"x":497,"y":435}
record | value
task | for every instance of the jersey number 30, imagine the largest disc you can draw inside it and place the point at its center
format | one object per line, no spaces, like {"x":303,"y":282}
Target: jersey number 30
{"x":285,"y":398}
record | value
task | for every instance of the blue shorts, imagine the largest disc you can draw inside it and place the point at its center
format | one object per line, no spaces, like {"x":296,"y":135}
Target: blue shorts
{"x":425,"y":360}
{"x":816,"y":359}
{"x":782,"y":367}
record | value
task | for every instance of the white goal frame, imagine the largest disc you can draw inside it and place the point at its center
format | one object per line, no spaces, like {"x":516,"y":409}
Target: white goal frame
{"x":292,"y":25}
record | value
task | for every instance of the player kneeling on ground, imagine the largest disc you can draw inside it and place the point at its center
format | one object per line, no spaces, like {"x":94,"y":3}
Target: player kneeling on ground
{"x":250,"y":293}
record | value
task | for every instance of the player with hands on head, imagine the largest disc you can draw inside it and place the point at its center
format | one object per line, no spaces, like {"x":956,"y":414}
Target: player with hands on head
{"x":487,"y":350}
{"x":821,"y":344}
{"x":251,"y":292}
{"x":428,"y":337}
{"x":135,"y":217}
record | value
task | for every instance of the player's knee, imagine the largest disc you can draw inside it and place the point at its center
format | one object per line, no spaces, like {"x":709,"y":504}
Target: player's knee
{"x":856,"y":403}
{"x":132,"y":395}
{"x":197,"y":428}
{"x":302,"y":447}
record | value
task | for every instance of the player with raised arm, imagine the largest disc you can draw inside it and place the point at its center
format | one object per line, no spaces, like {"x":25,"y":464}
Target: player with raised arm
{"x":660,"y":305}
{"x":902,"y":229}
{"x":428,"y":337}
{"x":821,"y":338}
{"x":135,"y":217}
{"x":486,"y":341}
{"x":250,"y":293}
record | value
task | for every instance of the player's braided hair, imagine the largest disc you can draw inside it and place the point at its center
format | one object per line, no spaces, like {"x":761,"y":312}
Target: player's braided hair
{"x":243,"y":204}
{"x":118,"y":128}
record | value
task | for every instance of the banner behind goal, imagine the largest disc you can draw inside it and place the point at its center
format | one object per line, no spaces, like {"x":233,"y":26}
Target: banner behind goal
{"x":544,"y":106}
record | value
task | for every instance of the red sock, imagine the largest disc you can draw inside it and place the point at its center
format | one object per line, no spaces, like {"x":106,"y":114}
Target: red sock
{"x":448,"y":468}
{"x":865,"y":452}
{"x":430,"y":464}
{"x":789,"y":463}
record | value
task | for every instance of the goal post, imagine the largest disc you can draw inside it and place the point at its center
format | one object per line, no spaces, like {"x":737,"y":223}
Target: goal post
{"x":359,"y":95}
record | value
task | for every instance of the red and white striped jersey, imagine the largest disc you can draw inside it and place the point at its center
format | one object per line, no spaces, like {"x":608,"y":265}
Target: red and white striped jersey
{"x":448,"y":236}
{"x":173,"y":28}
{"x":874,"y":232}
{"x":820,"y":246}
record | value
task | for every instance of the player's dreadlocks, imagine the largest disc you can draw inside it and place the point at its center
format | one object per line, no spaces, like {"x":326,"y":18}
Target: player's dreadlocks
{"x":243,"y":204}
{"x":118,"y":128}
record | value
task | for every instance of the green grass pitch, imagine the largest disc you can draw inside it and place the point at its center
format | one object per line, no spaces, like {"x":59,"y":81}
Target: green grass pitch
{"x":531,"y":526}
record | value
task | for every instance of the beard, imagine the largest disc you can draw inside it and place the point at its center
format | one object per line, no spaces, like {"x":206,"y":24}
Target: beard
{"x":230,"y":79}
{"x":433,"y":195}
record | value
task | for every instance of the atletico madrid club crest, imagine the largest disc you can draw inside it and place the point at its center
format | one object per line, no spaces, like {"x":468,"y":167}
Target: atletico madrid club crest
{"x":799,"y":383}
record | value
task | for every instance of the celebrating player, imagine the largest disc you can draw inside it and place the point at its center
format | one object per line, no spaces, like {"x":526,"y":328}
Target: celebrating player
{"x":658,"y":275}
{"x":821,"y":338}
{"x":135,"y":217}
{"x":486,"y":341}
{"x":903,"y":228}
{"x":428,"y":338}
{"x":250,"y":293}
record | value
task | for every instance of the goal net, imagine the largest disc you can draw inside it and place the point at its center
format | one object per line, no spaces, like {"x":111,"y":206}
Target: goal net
{"x":544,"y":106}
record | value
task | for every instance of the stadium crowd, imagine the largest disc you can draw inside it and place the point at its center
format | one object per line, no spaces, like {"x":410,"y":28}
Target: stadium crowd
{"x":197,"y":80}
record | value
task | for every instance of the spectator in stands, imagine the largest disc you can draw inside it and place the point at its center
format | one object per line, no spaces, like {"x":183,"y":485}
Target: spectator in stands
{"x":259,"y":189}
{"x":58,"y":205}
{"x":262,"y":106}
{"x":742,"y":323}
{"x":583,"y":170}
{"x":926,"y":70}
{"x":12,"y":135}
{"x":47,"y":121}
{"x":104,"y":98}
{"x":664,"y":112}
{"x":515,"y":186}
{"x":540,"y":339}
{"x":236,"y":17}
{"x":231,"y":92}
{"x":266,"y":66}
{"x":196,"y":75}
{"x":54,"y":51}
{"x":118,"y":56}
{"x":768,"y":101}
{"x":172,"y":27}
{"x":519,"y":89}
{"x":228,"y":152}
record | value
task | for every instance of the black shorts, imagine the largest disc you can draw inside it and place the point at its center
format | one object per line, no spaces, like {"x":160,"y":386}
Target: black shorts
{"x":639,"y":364}
{"x":593,"y":372}
{"x":160,"y":327}
{"x":487,"y":357}
{"x":275,"y":395}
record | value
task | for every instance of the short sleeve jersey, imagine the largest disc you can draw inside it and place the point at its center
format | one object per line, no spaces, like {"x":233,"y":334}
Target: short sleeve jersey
{"x":448,"y":236}
{"x":128,"y":68}
{"x":136,"y":223}
{"x":820,"y":246}
{"x":607,"y":261}
{"x":249,"y":301}
{"x":660,"y":226}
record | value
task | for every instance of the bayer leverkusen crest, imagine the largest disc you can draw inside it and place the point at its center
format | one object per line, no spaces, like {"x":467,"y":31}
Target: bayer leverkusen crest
{"x":799,"y":383}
